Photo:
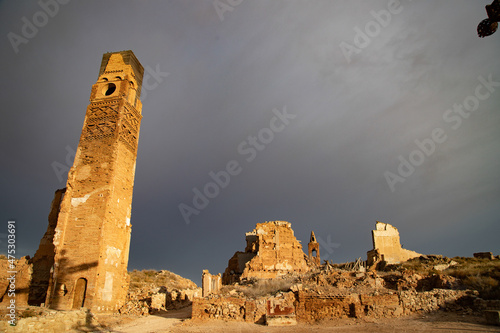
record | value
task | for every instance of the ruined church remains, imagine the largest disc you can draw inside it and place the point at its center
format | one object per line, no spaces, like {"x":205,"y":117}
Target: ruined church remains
{"x":82,"y":258}
{"x":304,"y":290}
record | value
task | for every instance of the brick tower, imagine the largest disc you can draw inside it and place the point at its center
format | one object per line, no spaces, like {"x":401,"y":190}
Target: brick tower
{"x":313,"y":249}
{"x":92,"y":236}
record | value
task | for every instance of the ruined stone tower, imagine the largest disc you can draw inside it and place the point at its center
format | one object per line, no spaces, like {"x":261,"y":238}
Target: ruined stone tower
{"x":92,"y":235}
{"x":313,"y":249}
{"x":272,"y":251}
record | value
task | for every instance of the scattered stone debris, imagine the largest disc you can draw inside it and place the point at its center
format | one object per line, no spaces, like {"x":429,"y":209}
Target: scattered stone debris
{"x":356,"y":266}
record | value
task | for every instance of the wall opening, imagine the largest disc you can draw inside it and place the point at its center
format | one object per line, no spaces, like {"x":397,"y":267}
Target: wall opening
{"x":109,"y":89}
{"x":80,"y":291}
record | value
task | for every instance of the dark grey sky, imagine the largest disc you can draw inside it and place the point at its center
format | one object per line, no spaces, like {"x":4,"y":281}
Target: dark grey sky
{"x":362,"y":80}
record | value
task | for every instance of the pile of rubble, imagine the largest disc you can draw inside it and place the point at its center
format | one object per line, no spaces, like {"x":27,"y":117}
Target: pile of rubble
{"x":137,"y":303}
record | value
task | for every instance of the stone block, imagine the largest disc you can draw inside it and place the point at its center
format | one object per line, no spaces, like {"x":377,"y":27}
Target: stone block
{"x":492,"y":317}
{"x":484,"y":255}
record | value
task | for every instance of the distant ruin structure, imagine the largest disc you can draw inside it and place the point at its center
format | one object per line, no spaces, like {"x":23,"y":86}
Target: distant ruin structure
{"x":210,"y":284}
{"x":272,"y":250}
{"x":484,"y":255}
{"x":82,"y":259}
{"x":313,"y":250}
{"x":387,"y":246}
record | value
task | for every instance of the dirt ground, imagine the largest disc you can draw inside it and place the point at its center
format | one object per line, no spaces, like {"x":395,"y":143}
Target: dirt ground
{"x":178,"y":321}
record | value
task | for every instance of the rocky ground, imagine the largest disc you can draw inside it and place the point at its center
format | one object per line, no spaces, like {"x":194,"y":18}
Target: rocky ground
{"x":177,"y":321}
{"x":160,"y":301}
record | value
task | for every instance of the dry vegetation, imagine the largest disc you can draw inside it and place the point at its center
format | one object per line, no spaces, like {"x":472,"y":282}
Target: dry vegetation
{"x":482,"y":275}
{"x":259,"y":288}
{"x":149,"y":278}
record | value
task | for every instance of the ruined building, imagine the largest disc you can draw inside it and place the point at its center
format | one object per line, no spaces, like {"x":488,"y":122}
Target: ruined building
{"x":313,"y":250}
{"x":387,"y":246}
{"x":44,"y":256}
{"x":84,"y":253}
{"x":272,"y":250}
{"x":211,"y":284}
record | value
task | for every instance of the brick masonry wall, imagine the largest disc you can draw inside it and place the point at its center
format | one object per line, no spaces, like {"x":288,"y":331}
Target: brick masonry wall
{"x":311,"y":307}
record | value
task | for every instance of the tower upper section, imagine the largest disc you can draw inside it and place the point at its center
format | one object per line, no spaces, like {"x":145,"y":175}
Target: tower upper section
{"x":120,"y":75}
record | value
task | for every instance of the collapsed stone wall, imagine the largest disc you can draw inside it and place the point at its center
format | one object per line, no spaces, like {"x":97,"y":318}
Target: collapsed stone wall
{"x":240,"y":308}
{"x":433,"y":300}
{"x":272,"y":251}
{"x":311,"y":307}
{"x":227,"y":308}
{"x":143,"y":303}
